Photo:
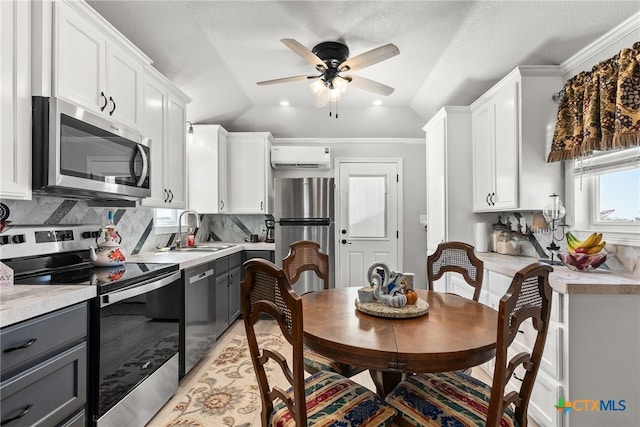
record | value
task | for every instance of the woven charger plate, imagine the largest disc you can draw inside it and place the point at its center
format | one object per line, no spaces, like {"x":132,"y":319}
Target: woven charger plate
{"x":376,"y":308}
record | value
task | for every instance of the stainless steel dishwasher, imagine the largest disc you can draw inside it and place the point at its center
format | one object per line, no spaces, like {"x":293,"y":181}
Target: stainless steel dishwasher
{"x":199,"y":314}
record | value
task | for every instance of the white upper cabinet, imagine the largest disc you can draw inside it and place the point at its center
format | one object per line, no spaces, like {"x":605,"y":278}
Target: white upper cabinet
{"x":95,"y":67}
{"x":164,"y":123}
{"x":495,"y":151}
{"x":449,"y":196}
{"x":512,"y":126}
{"x":15,"y":100}
{"x":250,"y":185}
{"x":207,"y":169}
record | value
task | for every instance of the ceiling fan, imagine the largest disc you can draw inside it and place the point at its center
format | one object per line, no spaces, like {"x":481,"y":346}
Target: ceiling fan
{"x":331,"y":60}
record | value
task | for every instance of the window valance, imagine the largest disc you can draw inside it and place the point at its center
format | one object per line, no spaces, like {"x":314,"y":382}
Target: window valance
{"x":600,"y":109}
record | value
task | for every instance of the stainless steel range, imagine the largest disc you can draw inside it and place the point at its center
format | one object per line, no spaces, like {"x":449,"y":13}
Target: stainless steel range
{"x":134,"y":321}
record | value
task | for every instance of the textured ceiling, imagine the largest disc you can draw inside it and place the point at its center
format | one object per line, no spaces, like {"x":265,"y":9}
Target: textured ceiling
{"x":450,"y":51}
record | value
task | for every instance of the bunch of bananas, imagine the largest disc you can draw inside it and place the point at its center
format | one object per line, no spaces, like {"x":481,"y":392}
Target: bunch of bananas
{"x":591,"y":245}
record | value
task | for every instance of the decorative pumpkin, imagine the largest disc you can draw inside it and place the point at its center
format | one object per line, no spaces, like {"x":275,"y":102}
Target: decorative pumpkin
{"x":412,"y":296}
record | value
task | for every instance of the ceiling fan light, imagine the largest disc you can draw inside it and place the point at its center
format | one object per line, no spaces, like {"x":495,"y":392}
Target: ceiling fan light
{"x":335,"y":94}
{"x":317,"y":87}
{"x":340,"y":84}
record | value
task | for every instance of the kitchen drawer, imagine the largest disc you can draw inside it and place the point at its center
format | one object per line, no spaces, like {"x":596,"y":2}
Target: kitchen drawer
{"x":498,"y":283}
{"x":47,"y":334}
{"x":80,"y":420}
{"x":552,"y":355}
{"x":458,"y":286}
{"x":235,"y":261}
{"x":544,"y":396}
{"x":48,"y":393}
{"x":556,"y":306}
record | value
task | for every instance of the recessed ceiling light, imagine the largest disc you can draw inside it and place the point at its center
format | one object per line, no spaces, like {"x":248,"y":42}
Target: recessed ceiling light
{"x":377,"y":102}
{"x":284,"y":103}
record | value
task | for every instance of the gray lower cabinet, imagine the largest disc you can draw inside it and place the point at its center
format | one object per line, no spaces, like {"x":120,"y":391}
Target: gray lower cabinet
{"x":222,"y":295}
{"x":44,"y":370}
{"x":228,"y":271}
{"x":235,"y":279}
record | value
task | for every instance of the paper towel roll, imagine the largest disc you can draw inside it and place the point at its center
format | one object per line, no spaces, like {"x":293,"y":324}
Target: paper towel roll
{"x":481,"y":231}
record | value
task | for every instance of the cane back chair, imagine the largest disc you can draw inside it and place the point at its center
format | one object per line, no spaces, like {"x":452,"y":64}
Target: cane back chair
{"x":456,"y":257}
{"x":455,"y":398}
{"x":324,"y":398}
{"x":306,"y":255}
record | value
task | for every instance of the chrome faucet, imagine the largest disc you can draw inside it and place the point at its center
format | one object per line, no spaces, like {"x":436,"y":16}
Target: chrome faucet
{"x":180,"y":242}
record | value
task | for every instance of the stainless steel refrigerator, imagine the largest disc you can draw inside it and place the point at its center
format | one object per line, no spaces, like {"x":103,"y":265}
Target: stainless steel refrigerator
{"x":304,"y":211}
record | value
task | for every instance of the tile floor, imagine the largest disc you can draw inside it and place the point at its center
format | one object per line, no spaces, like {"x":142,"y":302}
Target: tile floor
{"x":187,"y":382}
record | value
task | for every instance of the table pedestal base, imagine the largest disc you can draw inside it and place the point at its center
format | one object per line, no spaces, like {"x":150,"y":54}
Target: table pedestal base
{"x":385,"y":381}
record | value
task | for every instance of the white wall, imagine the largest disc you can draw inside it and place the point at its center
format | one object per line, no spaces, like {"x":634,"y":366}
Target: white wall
{"x":412,"y":151}
{"x":367,"y":122}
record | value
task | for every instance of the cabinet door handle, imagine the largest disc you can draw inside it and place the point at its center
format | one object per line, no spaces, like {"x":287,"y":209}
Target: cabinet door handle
{"x":166,"y":195}
{"x":486,"y":199}
{"x":114,"y":106}
{"x":518,"y":378}
{"x":493,"y":199}
{"x":20,"y":415}
{"x":261,"y":203}
{"x":106,"y":101}
{"x":221,"y":205}
{"x":171,"y":194}
{"x":21,"y":347}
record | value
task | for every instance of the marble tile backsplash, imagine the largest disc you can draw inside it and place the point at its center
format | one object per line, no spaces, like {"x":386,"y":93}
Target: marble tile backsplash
{"x":136,"y":228}
{"x":621,"y":259}
{"x":135,"y":225}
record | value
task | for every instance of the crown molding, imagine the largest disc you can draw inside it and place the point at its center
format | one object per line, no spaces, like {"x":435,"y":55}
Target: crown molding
{"x":612,"y":37}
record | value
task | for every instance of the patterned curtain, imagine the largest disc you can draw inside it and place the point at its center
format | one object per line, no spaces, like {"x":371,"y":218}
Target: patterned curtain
{"x":600,"y":109}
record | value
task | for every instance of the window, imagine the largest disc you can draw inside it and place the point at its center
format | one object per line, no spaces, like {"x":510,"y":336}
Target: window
{"x":607,"y":194}
{"x":166,"y":220}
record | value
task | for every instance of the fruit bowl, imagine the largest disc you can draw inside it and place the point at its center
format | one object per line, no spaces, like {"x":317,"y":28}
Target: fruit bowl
{"x":582,"y":262}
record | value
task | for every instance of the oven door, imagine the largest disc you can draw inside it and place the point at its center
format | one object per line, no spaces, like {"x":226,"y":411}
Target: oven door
{"x":80,"y":153}
{"x":136,"y":351}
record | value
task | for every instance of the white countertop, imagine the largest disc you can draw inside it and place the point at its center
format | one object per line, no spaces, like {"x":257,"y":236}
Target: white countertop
{"x":566,"y":281}
{"x":22,"y":302}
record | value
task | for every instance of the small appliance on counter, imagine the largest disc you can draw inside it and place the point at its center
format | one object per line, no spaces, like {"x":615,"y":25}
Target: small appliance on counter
{"x":270,"y":223}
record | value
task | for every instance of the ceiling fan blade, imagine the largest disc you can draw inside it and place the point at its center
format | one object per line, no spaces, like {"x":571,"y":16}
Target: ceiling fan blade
{"x":305,"y":54}
{"x":370,"y":57}
{"x":286,"y":80}
{"x":370,"y":85}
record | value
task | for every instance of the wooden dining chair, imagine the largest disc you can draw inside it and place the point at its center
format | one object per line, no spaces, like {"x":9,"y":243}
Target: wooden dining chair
{"x":457,"y":398}
{"x":305,"y":255}
{"x":457,"y":257}
{"x":324,"y":398}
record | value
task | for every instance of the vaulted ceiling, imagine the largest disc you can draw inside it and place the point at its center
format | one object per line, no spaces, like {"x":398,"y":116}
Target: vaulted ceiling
{"x":450,"y":53}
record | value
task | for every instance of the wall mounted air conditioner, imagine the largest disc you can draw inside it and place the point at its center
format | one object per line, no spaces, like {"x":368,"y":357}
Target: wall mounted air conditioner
{"x":295,"y":156}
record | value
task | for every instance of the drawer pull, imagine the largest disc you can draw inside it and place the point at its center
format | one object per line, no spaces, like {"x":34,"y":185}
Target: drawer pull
{"x":27,"y":344}
{"x":20,"y":415}
{"x":520,"y":331}
{"x":518,"y":378}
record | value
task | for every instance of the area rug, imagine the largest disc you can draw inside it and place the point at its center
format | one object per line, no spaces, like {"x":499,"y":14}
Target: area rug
{"x":227,"y":394}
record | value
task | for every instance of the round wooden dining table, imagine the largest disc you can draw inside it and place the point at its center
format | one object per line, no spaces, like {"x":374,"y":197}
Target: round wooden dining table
{"x":456,"y":333}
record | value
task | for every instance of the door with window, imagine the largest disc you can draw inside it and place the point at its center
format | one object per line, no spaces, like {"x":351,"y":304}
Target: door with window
{"x":367,"y":226}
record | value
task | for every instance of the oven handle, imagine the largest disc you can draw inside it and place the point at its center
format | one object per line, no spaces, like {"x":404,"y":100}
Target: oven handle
{"x":136,"y":290}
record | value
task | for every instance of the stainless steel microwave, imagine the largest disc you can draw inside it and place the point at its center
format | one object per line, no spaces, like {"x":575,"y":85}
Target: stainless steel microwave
{"x":79,"y":154}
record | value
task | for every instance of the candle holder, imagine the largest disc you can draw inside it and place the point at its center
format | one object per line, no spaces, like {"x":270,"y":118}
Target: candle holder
{"x":553,"y":213}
